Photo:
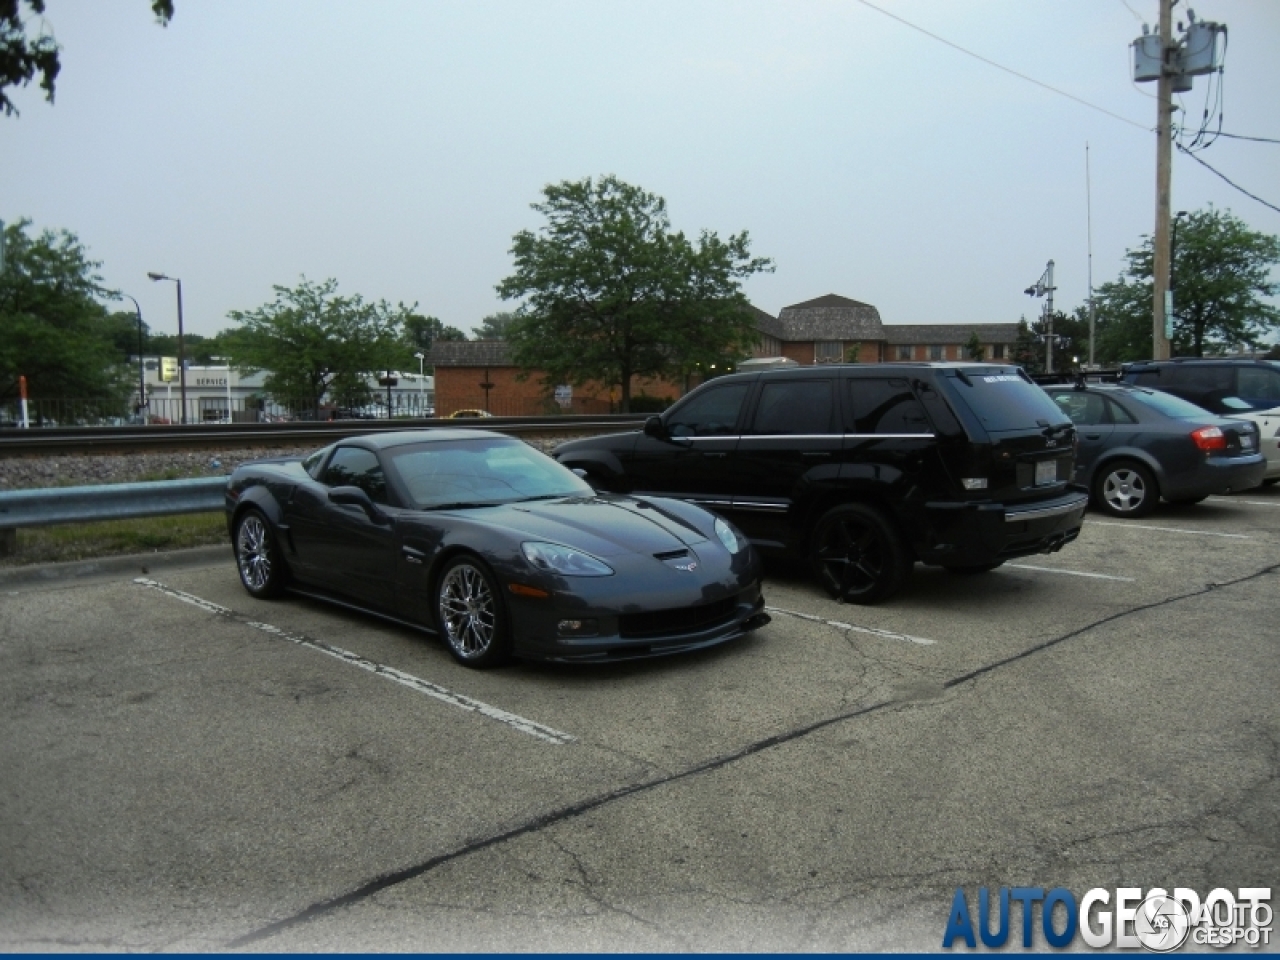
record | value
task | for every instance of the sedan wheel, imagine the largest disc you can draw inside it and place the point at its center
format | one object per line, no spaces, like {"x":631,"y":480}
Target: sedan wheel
{"x":262,"y":569}
{"x":858,"y":556}
{"x":471,"y":615}
{"x":1125,"y":490}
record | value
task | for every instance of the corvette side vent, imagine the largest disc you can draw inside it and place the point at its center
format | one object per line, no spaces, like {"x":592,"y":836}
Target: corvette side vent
{"x":671,"y":555}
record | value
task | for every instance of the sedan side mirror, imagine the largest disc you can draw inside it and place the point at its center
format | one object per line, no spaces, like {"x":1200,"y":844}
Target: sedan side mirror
{"x":355,"y":497}
{"x":653,"y":427}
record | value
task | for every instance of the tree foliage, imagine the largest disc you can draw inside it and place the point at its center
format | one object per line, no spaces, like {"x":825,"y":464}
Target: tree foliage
{"x":494,"y":326}
{"x":1221,"y":282}
{"x":25,"y":55}
{"x":55,"y":332}
{"x":313,"y":341}
{"x":610,"y":292}
{"x":421,"y":332}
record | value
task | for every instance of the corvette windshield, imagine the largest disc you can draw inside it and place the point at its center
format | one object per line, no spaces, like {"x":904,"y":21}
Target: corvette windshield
{"x":480,"y":472}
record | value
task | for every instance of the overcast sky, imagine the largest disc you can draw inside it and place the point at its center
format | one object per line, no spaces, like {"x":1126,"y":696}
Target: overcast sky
{"x":396,"y":146}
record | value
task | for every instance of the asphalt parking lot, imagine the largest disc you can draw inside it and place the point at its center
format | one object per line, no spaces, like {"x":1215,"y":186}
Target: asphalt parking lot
{"x":186,"y":768}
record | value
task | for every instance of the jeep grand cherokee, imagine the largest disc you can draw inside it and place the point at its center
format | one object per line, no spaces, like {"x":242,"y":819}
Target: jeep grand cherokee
{"x":862,"y":469}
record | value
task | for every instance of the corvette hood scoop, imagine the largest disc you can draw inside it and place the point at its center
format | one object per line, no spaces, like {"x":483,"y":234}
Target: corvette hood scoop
{"x":604,"y":526}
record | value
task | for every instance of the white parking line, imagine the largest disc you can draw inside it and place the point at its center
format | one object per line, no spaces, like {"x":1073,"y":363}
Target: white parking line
{"x":530,"y":727}
{"x":1139,"y":526}
{"x":840,"y":625}
{"x":1071,"y":573}
{"x":1251,"y":503}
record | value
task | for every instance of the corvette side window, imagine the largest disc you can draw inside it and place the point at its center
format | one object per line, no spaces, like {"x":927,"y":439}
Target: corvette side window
{"x":712,"y":413}
{"x":353,"y":467}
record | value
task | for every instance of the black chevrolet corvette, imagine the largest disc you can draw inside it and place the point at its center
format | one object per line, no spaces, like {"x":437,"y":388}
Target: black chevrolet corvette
{"x":493,"y":545}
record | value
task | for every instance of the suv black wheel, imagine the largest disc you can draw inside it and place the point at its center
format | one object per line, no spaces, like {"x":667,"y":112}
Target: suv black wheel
{"x":858,"y":555}
{"x":1125,"y":488}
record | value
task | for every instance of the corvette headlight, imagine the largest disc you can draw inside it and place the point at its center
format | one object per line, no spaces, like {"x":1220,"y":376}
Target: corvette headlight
{"x":732,"y":542}
{"x":566,"y":561}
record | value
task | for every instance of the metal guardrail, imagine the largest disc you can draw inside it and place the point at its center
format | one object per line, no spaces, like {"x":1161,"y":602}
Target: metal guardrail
{"x":111,"y":501}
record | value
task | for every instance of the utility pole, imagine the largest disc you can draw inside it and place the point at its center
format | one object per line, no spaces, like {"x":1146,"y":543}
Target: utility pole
{"x":1173,"y":66}
{"x":1160,"y":314}
{"x":1044,"y":287}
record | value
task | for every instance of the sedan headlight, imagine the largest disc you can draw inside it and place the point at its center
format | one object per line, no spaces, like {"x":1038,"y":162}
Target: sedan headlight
{"x":732,"y":542}
{"x":566,"y":561}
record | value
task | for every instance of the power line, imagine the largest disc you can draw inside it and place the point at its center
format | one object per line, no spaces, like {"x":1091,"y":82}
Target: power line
{"x":1236,"y":136}
{"x":1194,"y":157}
{"x":998,"y":66}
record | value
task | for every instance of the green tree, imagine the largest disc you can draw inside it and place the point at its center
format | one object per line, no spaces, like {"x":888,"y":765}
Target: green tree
{"x":312,"y":341}
{"x":55,"y":331}
{"x":610,"y":292}
{"x":23,"y":56}
{"x":421,"y":332}
{"x":973,"y":347}
{"x":1025,"y":348}
{"x":494,"y":326}
{"x":1221,"y":281}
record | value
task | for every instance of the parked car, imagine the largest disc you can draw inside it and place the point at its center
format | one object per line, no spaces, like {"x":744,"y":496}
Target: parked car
{"x":1138,"y":445}
{"x":463,"y":414}
{"x":494,"y":546}
{"x":862,"y":469}
{"x":1238,"y":388}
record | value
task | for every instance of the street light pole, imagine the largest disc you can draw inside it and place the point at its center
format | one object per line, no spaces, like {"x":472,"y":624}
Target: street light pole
{"x":182,"y":359}
{"x":142,"y":364}
{"x":422,"y":385}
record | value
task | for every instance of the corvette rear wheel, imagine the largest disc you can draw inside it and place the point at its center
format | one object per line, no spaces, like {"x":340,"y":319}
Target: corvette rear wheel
{"x":262,"y":568}
{"x":471,"y":615}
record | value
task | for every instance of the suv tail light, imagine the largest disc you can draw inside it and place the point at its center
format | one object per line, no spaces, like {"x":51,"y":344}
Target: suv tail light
{"x":1209,"y":438}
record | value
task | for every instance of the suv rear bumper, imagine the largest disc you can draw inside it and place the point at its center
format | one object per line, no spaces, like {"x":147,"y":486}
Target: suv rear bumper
{"x":970,"y":534}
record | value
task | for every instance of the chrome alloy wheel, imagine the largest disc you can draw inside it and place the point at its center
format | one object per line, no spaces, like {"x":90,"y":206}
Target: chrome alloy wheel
{"x":1124,"y":490}
{"x":253,"y":553}
{"x":468,"y":611}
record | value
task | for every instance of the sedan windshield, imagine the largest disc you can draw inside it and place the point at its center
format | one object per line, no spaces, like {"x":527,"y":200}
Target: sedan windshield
{"x":480,"y":472}
{"x":1169,"y":405}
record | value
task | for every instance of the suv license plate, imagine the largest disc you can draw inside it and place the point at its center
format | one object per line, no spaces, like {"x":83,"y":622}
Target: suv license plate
{"x":1046,"y":472}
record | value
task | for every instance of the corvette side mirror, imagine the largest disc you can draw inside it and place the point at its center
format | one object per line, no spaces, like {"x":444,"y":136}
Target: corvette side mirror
{"x":355,"y":497}
{"x":653,"y":427}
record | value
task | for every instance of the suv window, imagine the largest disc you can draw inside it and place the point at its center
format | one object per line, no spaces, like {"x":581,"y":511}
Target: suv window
{"x":709,"y":413}
{"x":354,"y":467}
{"x":1260,"y":387}
{"x":794,"y":408}
{"x":1003,"y":400}
{"x":886,"y":406}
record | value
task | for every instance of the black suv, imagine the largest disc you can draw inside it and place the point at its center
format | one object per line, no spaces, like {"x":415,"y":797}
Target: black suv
{"x":862,"y":469}
{"x":1222,"y":386}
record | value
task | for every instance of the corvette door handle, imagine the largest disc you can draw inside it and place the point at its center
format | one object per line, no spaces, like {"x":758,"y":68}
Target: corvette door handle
{"x":816,"y":453}
{"x":712,"y":453}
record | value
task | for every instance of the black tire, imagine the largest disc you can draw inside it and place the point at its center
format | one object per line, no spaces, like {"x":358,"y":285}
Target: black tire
{"x":975,"y":568}
{"x":471,"y":615}
{"x":1125,"y":488}
{"x":261,"y":565}
{"x":858,"y":555}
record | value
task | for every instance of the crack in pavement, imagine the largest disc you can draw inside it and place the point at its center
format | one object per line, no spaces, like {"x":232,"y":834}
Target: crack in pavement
{"x":569,"y":812}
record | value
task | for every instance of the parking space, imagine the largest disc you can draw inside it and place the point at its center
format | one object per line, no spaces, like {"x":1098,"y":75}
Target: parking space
{"x":185,"y":767}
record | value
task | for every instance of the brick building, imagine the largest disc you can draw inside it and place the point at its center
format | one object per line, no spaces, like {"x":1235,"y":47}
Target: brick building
{"x":830,"y":329}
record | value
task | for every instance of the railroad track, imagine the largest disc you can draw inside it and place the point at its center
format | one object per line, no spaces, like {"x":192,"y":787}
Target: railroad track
{"x":214,"y":436}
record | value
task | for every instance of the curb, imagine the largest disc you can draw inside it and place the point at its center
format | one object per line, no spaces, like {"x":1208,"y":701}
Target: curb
{"x":136,"y":563}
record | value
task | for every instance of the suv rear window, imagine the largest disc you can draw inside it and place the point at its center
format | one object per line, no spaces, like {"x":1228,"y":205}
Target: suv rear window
{"x":1002,"y":400}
